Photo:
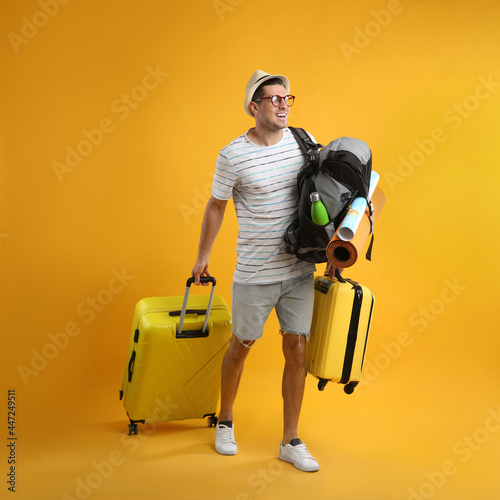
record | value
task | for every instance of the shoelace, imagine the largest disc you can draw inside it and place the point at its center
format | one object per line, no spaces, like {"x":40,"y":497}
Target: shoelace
{"x":225,"y":434}
{"x":301,"y":450}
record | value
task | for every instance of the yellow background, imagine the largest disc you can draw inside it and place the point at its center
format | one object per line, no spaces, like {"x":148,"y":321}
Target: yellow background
{"x":405,"y":76}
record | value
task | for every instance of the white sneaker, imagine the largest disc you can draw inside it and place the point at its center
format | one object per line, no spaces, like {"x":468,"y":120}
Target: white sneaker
{"x":224,"y":440}
{"x":298,"y":455}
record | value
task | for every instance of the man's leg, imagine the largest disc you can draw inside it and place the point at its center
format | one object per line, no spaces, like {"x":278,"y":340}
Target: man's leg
{"x":232,"y":368}
{"x":292,"y":449}
{"x":294,"y":376}
{"x":294,"y":311}
{"x":251,"y":307}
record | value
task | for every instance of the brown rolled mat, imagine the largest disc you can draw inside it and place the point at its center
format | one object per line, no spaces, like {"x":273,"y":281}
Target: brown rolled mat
{"x":345,"y":253}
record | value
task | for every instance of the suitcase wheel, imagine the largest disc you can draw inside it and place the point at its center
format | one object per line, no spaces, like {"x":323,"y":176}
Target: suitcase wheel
{"x":349,"y":388}
{"x":133,"y":429}
{"x":322,"y":384}
{"x":212,"y":419}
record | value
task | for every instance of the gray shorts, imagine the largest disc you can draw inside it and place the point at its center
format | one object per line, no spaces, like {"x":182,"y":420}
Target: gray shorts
{"x":292,"y":299}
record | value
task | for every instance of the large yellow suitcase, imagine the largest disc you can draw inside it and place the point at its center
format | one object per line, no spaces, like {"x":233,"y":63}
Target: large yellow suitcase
{"x":339,"y":332}
{"x":174,"y":358}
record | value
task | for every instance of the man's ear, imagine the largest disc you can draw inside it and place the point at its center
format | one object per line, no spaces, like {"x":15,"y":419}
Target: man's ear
{"x":253,"y":106}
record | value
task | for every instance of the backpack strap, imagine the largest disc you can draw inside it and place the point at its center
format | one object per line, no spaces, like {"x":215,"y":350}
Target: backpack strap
{"x":308,"y":146}
{"x":370,"y":247}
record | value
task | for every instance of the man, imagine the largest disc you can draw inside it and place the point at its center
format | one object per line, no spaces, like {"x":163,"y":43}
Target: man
{"x":259,"y":170}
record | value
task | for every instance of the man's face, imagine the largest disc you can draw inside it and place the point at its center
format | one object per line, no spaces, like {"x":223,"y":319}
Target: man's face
{"x":271,"y":117}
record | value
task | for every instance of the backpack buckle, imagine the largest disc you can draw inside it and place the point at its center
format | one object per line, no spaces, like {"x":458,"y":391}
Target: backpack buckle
{"x":313,"y":154}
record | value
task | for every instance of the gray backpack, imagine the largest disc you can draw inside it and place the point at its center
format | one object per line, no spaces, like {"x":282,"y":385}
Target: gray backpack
{"x":339,"y":172}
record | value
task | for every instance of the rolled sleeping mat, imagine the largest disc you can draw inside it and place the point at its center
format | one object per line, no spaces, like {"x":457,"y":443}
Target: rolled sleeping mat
{"x":345,"y":253}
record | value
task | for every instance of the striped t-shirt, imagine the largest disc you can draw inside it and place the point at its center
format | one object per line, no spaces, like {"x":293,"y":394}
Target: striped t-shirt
{"x":263,"y":183}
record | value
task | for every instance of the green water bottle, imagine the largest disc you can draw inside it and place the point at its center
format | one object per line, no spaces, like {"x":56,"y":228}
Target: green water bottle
{"x":319,"y":215}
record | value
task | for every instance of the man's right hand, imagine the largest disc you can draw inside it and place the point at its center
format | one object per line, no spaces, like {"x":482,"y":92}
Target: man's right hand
{"x":200,"y":269}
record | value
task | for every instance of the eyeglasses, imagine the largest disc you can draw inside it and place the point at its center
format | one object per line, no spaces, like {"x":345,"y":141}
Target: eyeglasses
{"x":276,"y":100}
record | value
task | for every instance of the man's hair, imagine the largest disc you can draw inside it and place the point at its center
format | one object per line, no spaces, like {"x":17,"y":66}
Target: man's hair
{"x":260,"y":89}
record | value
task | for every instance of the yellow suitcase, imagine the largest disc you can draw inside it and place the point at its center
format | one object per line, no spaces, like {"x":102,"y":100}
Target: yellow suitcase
{"x":174,"y":358}
{"x":339,"y":332}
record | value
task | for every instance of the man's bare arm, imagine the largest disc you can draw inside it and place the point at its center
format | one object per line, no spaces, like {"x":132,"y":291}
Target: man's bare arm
{"x":212,"y":222}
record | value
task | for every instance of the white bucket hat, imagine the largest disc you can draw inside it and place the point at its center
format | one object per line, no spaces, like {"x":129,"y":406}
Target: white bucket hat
{"x":257,"y":79}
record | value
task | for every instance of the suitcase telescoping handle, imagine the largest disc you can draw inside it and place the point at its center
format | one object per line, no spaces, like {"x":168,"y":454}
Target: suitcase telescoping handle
{"x":190,"y":281}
